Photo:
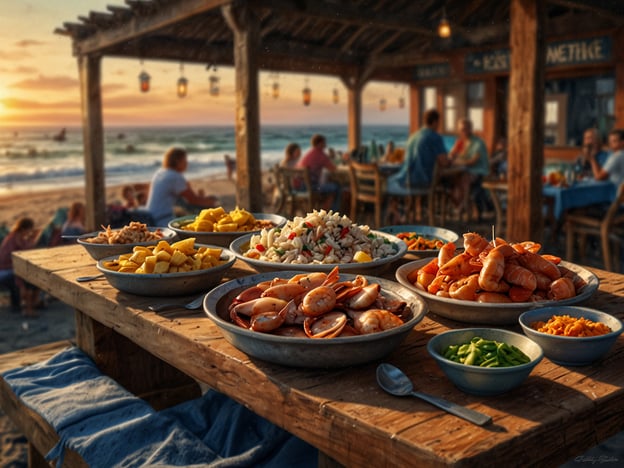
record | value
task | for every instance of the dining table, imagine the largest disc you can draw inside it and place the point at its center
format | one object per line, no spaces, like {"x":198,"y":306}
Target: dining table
{"x":554,"y":416}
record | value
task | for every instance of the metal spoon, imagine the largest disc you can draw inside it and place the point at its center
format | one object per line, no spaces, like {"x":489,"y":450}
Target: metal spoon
{"x":82,"y":279}
{"x":394,"y":381}
{"x":194,"y":304}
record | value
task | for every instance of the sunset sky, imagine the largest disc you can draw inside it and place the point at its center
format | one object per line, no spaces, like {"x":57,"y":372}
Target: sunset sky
{"x":39,"y":82}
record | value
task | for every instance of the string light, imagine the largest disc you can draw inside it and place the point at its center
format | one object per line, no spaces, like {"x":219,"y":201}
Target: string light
{"x":214,"y":82}
{"x":444,"y":27}
{"x":144,"y":80}
{"x":182,"y":83}
{"x":307,"y":94}
{"x":382,"y":104}
{"x":335,"y":97}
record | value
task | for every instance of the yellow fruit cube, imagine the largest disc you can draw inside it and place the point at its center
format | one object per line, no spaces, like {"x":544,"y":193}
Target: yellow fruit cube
{"x":178,"y":258}
{"x":186,"y":246}
{"x":161,"y":267}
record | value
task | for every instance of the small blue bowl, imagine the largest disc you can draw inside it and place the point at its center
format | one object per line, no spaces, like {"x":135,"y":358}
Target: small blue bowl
{"x":484,"y":381}
{"x":571,"y":350}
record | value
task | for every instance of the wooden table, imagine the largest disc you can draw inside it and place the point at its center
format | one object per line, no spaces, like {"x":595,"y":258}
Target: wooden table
{"x":554,"y":416}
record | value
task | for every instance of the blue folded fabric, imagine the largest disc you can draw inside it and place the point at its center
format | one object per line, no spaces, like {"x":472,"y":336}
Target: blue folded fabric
{"x":108,"y":426}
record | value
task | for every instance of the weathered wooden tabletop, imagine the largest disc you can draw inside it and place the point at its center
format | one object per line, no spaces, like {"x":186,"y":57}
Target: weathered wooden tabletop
{"x":558,"y":413}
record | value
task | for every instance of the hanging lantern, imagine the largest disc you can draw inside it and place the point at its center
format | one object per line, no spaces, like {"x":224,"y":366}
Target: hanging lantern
{"x":335,"y":97}
{"x":401,"y":102}
{"x":444,"y":27}
{"x":307,"y":96}
{"x":214,"y":84}
{"x":182,"y":84}
{"x":382,"y":104}
{"x":144,"y":81}
{"x":275,"y":90}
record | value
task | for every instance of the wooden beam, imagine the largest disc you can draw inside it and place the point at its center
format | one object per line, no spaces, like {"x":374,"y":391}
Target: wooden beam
{"x":89,"y":68}
{"x":589,"y":7}
{"x":345,"y":13}
{"x":526,"y":121}
{"x":246,"y":29}
{"x":137,"y":26}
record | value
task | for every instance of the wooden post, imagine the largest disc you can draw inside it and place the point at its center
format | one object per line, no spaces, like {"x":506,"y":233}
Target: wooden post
{"x":619,"y":80}
{"x":354,"y":116}
{"x":526,"y":120}
{"x":414,"y":108}
{"x":245,"y":27}
{"x":93,"y":140}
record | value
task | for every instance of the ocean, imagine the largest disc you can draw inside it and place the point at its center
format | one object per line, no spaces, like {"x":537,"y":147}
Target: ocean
{"x":31,"y":160}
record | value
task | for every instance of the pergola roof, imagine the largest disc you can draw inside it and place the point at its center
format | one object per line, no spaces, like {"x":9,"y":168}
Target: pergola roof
{"x":384,"y":37}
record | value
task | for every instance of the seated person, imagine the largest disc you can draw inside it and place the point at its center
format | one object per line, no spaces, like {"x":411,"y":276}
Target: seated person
{"x":592,"y":150}
{"x":469,"y":152}
{"x":168,"y":184}
{"x":316,"y":160}
{"x":498,"y":160}
{"x":292,"y":153}
{"x":613,"y":168}
{"x":22,"y":236}
{"x":75,"y":224}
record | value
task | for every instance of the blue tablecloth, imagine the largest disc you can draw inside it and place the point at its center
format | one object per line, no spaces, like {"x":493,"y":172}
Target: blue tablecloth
{"x":580,"y":194}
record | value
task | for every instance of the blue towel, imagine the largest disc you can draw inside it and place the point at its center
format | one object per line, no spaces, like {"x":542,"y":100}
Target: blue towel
{"x":108,"y":426}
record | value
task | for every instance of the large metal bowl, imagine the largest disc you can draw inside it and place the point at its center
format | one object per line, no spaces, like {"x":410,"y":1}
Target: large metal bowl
{"x":168,"y":284}
{"x":490,"y":314}
{"x":223,"y":239}
{"x":100,"y":251}
{"x":309,"y":352}
{"x":241,"y":245}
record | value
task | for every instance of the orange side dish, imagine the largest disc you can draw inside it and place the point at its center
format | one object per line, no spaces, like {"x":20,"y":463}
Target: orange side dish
{"x":415,"y":241}
{"x":564,"y":325}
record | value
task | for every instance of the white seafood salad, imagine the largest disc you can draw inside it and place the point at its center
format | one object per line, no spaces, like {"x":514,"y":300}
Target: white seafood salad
{"x":319,"y":237}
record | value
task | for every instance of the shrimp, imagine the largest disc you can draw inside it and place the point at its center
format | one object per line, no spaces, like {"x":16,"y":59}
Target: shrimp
{"x":491,"y":274}
{"x":474,"y":243}
{"x":327,"y":325}
{"x":535,"y":262}
{"x":424,"y":275}
{"x":373,"y":320}
{"x":561,"y":288}
{"x":520,"y":294}
{"x":269,"y":321}
{"x":249,"y":294}
{"x":310,"y":281}
{"x":364,"y":297}
{"x":318,"y":301}
{"x":438,"y":284}
{"x":285,"y":291}
{"x":459,"y":266}
{"x":446,"y":253}
{"x":465,"y":288}
{"x":492,"y":297}
{"x":543,"y":281}
{"x":518,"y":275}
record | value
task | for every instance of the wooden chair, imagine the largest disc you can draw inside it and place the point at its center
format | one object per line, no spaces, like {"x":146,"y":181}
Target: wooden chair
{"x":367,"y":187}
{"x":609,"y":228}
{"x":294,"y":192}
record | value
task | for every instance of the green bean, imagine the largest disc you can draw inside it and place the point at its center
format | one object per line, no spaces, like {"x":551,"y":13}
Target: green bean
{"x":485,"y":353}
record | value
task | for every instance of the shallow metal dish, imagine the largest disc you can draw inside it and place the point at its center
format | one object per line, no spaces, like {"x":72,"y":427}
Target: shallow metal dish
{"x":223,"y":239}
{"x":240,"y":245}
{"x":308,"y":352}
{"x":428,"y":232}
{"x":491,"y":314}
{"x":168,"y":284}
{"x":99,"y":251}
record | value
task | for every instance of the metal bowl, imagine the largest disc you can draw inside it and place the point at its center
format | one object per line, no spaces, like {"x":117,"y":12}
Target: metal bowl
{"x":223,"y":239}
{"x":241,"y":245}
{"x":100,"y":251}
{"x":484,"y":381}
{"x":571,"y":350}
{"x":490,"y":314}
{"x":428,"y":232}
{"x":308,"y":352}
{"x":168,"y":284}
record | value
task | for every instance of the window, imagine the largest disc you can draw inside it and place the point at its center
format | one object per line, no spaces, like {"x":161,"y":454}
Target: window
{"x":429,"y":98}
{"x":450,"y":113}
{"x":474,"y":102}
